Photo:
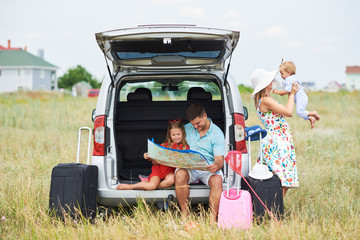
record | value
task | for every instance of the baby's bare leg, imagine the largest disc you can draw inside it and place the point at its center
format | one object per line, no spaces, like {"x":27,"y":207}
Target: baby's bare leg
{"x":312,"y":122}
{"x":315,"y":115}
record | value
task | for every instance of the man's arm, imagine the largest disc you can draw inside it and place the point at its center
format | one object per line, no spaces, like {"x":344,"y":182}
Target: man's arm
{"x":217,"y":165}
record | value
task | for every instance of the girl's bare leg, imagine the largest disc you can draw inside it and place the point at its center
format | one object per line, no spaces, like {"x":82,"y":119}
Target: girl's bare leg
{"x":151,"y":185}
{"x":168,"y":181}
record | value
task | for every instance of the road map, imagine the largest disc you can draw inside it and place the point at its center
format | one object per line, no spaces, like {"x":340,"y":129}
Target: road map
{"x":177,"y":158}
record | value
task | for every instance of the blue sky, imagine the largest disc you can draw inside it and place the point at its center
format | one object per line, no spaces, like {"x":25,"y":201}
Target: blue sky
{"x":321,"y":37}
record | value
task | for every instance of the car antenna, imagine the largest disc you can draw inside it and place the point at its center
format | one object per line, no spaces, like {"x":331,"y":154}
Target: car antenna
{"x":108,"y":68}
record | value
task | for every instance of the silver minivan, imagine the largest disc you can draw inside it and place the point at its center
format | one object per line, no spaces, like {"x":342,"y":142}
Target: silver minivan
{"x":157,"y":72}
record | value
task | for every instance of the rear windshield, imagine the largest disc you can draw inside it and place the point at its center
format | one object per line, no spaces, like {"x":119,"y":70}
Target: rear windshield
{"x":198,"y":54}
{"x":169,"y":90}
{"x":195,"y":48}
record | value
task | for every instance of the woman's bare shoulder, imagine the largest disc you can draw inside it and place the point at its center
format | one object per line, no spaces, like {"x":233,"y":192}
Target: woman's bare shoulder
{"x":267,"y":104}
{"x":268,"y":100}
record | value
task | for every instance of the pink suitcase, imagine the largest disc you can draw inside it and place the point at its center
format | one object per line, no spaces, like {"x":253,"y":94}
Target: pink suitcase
{"x":235,"y":208}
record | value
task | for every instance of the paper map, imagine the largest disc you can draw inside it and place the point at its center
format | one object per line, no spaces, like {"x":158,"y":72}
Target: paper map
{"x":177,"y":158}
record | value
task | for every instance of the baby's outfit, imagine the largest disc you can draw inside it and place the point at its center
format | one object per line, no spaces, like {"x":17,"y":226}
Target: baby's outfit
{"x":301,"y":99}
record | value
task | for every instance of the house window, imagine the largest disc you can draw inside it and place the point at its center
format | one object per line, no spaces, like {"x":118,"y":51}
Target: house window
{"x":53,"y":80}
{"x":52,"y":76}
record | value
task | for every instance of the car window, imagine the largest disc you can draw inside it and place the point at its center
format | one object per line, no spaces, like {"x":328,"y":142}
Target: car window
{"x":197,"y":54}
{"x":169,"y":92}
{"x":194,"y":48}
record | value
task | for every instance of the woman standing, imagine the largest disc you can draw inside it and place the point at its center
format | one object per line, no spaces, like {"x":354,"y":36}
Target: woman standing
{"x":277,"y":147}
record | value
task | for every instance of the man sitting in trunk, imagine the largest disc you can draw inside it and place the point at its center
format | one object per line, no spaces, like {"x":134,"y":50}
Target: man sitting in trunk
{"x":203,"y":136}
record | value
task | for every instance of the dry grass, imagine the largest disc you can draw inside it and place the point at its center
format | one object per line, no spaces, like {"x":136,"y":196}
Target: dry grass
{"x":39,"y":130}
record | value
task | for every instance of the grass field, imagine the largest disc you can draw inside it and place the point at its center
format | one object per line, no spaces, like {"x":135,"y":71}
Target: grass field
{"x":39,"y":130}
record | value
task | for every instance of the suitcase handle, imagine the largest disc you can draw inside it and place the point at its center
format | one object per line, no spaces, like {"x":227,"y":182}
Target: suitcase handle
{"x":89,"y":144}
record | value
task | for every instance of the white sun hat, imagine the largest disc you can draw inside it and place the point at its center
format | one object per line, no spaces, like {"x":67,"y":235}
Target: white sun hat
{"x":261,"y":78}
{"x":260,"y":171}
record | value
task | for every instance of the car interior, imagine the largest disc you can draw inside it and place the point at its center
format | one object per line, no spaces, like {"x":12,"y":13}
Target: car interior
{"x":139,"y":118}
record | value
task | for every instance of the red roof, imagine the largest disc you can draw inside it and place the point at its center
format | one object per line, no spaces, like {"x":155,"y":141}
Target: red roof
{"x":4,"y":48}
{"x":9,"y":47}
{"x":352,"y":69}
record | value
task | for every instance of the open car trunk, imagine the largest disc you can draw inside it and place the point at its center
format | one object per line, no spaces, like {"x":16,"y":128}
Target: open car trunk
{"x":167,"y":47}
{"x":142,"y":115}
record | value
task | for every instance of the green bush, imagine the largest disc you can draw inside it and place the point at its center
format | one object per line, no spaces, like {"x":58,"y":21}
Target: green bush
{"x":245,"y":89}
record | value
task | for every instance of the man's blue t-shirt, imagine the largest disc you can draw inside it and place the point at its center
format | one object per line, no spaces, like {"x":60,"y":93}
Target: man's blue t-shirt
{"x":210,"y":145}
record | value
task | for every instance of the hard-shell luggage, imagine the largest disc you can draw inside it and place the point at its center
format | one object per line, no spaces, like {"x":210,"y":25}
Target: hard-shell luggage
{"x":270,"y":192}
{"x":235,"y":208}
{"x":73,"y":187}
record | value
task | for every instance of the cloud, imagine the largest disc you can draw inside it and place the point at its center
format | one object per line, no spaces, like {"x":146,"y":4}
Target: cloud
{"x":275,"y":31}
{"x":315,"y":47}
{"x":171,"y":1}
{"x":326,"y":48}
{"x":232,"y":20}
{"x":36,"y":35}
{"x":234,"y":25}
{"x":195,"y":12}
{"x":293,"y":44}
{"x":331,"y":39}
{"x":232,"y":14}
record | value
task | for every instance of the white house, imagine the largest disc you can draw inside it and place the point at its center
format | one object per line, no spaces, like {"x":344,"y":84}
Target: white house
{"x":21,"y":70}
{"x":333,"y":86}
{"x":352,"y":78}
{"x":309,"y":86}
{"x":81,"y":89}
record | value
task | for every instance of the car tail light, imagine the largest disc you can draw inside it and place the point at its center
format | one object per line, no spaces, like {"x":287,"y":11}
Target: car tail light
{"x":99,"y":136}
{"x":240,"y":143}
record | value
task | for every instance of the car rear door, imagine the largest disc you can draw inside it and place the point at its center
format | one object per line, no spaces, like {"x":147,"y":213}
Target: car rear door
{"x":168,"y":47}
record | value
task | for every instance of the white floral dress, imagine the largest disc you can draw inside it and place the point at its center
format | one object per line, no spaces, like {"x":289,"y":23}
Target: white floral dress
{"x":278,"y":148}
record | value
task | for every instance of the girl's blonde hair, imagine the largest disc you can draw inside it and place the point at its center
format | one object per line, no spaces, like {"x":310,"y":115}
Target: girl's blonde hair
{"x":289,"y":67}
{"x":176,"y":124}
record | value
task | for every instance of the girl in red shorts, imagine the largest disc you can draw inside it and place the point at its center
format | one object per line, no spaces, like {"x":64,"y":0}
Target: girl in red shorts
{"x":162,"y":176}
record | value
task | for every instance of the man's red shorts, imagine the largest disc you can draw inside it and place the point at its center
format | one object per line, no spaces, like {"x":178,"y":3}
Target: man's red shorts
{"x":161,"y":171}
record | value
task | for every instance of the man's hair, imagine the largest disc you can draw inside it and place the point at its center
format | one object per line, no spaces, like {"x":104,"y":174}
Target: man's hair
{"x":194,"y":110}
{"x":289,"y":67}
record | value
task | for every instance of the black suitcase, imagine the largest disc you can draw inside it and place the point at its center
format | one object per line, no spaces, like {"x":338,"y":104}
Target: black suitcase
{"x":73,"y":188}
{"x":270,"y":192}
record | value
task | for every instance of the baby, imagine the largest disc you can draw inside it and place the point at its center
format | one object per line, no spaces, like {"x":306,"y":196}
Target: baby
{"x":287,"y":70}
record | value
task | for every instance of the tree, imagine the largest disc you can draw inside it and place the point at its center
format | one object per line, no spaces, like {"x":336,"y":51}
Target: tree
{"x":75,"y":75}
